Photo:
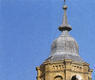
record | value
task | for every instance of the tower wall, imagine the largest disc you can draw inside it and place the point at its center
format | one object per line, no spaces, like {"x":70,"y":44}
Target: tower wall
{"x":63,"y":70}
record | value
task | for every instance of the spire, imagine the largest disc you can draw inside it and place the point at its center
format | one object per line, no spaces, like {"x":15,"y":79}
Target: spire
{"x":65,"y":26}
{"x":65,"y":46}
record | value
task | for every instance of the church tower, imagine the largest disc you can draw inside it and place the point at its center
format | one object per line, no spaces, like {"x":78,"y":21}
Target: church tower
{"x":64,"y":62}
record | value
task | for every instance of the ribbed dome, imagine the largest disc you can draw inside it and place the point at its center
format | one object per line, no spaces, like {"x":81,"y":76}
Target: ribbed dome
{"x":65,"y":47}
{"x":64,"y":44}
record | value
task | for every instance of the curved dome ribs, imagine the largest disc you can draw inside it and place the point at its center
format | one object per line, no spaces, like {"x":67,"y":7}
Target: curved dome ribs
{"x":65,"y":44}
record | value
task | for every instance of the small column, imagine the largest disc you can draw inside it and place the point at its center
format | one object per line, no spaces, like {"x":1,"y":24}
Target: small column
{"x":38,"y":73}
{"x":85,"y":70}
{"x":67,"y":68}
{"x":90,"y":74}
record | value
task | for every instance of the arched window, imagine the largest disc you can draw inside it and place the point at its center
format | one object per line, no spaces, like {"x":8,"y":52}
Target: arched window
{"x":74,"y":78}
{"x":58,"y":78}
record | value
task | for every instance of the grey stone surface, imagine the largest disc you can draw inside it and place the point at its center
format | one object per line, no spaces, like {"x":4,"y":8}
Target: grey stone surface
{"x":64,"y":47}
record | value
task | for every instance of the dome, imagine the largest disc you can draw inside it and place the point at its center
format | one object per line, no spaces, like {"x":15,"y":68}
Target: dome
{"x":64,"y":47}
{"x":64,"y":44}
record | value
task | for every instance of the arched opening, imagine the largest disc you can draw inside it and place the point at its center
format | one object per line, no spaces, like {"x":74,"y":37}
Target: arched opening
{"x":58,"y":78}
{"x":74,"y":78}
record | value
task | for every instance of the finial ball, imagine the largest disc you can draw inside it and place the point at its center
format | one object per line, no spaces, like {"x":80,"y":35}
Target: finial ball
{"x":65,"y":7}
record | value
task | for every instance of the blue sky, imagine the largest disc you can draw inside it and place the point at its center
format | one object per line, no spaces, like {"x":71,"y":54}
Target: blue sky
{"x":28,"y":28}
